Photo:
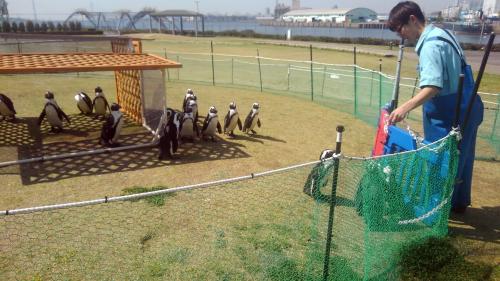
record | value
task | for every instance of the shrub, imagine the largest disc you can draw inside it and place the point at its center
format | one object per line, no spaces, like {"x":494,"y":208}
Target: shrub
{"x":22,"y":27}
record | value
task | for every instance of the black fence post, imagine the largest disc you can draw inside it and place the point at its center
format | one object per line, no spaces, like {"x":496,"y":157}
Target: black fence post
{"x":336,"y":163}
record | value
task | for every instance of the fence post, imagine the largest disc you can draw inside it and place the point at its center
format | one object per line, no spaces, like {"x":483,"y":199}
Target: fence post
{"x":413,"y":94}
{"x":336,"y":163}
{"x":260,"y":71}
{"x":213,"y":67}
{"x":178,"y":69}
{"x":312,"y":77}
{"x":324,"y":77}
{"x":380,"y":84}
{"x":355,"y":86}
{"x":232,"y":70}
{"x":493,"y":128}
{"x":371,"y":89}
{"x":168,"y":72}
{"x":288,"y":77}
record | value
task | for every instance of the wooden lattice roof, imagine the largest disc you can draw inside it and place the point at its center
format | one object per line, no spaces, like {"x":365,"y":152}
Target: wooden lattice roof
{"x":80,"y":62}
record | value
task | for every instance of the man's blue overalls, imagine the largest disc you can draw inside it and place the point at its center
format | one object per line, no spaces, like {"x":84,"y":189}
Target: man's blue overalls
{"x":438,"y":114}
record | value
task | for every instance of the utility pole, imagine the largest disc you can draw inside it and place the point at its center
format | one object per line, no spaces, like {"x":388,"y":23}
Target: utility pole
{"x":34,"y":10}
{"x":196,"y":19}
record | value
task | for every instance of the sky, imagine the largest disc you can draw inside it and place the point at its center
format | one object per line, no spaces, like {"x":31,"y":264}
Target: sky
{"x":56,"y":9}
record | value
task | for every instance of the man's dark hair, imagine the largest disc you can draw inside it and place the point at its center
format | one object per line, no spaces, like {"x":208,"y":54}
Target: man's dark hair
{"x":400,"y":15}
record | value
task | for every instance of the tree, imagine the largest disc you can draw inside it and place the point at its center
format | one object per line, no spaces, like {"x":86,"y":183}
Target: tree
{"x":78,"y":26}
{"x":22,"y":27}
{"x":37,"y":27}
{"x":6,"y":26}
{"x":30,"y":27}
{"x":60,"y":27}
{"x":44,"y":27}
{"x":72,"y":26}
{"x":65,"y":27}
{"x":13,"y":27}
{"x":51,"y":26}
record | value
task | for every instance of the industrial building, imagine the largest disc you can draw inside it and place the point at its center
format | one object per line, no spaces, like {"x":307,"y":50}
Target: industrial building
{"x":331,"y":15}
{"x":491,"y":8}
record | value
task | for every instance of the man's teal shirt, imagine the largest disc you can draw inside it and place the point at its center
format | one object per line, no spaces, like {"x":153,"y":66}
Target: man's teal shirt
{"x":439,"y":64}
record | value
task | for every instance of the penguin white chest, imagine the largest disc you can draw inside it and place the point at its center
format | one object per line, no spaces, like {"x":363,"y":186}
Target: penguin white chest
{"x":4,"y":110}
{"x":53,"y":116}
{"x":100,"y":106}
{"x":255,"y":118}
{"x":233,"y":121}
{"x":187,"y":128}
{"x":212,"y":126}
{"x":118,"y":131}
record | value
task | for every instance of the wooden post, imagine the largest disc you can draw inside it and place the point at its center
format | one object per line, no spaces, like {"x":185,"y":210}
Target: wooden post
{"x":213,"y":67}
{"x":312,"y":68}
{"x":355,"y":85}
{"x":260,"y":70}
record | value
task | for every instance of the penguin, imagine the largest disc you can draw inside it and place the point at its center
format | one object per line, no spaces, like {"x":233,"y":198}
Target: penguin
{"x":189,"y":96}
{"x":188,"y":127}
{"x":53,"y":113}
{"x":167,"y":132}
{"x":193,"y":105}
{"x":7,"y":108}
{"x":211,"y":124}
{"x":84,"y":103}
{"x":100,"y":103}
{"x":231,"y":120}
{"x":111,"y":129}
{"x":252,"y":119}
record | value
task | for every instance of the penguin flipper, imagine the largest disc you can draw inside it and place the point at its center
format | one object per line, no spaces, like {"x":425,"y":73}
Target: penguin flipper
{"x":219,"y":128}
{"x":40,"y":118}
{"x":64,"y":115}
{"x":258,"y":123}
{"x":239,"y":124}
{"x":8,"y":102}
{"x":205,"y":124}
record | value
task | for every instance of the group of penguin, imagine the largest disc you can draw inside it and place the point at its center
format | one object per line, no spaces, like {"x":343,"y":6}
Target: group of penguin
{"x":55,"y":115}
{"x":175,"y":125}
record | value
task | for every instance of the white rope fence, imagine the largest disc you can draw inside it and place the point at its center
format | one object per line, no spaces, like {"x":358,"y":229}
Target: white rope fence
{"x":153,"y":193}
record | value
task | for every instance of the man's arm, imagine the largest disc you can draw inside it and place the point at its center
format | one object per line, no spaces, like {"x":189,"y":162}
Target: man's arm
{"x":424,"y":95}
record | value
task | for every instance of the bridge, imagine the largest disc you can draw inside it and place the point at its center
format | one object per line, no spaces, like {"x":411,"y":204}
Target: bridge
{"x":164,"y":21}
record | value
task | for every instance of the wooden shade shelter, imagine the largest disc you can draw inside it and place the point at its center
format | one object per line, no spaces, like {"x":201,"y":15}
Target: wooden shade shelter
{"x":127,"y":66}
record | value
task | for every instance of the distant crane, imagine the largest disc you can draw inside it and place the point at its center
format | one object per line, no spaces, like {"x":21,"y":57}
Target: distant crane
{"x":4,"y":12}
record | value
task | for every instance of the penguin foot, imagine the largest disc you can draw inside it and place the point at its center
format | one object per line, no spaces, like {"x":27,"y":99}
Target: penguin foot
{"x":254,"y":132}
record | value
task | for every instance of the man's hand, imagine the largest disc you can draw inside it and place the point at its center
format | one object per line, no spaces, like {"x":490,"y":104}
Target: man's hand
{"x":398,"y":115}
{"x":401,"y":112}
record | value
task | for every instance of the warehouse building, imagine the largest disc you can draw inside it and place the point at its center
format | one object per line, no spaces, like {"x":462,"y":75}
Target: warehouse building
{"x":331,"y":15}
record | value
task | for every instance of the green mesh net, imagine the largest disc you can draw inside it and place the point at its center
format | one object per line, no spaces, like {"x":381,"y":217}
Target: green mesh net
{"x":268,"y":226}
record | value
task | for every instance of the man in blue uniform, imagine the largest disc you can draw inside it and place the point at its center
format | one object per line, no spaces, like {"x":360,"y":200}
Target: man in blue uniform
{"x":441,"y":61}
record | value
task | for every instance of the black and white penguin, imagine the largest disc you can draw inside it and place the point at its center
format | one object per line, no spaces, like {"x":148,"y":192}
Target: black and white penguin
{"x":188,"y":127}
{"x":53,"y":113}
{"x":231,"y":120}
{"x":188,"y":97}
{"x":211,"y":125}
{"x":84,"y":103}
{"x":193,"y":105}
{"x":112,"y":128}
{"x":7,"y":108}
{"x":100,"y":103}
{"x":252,"y":119}
{"x":167,"y":132}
